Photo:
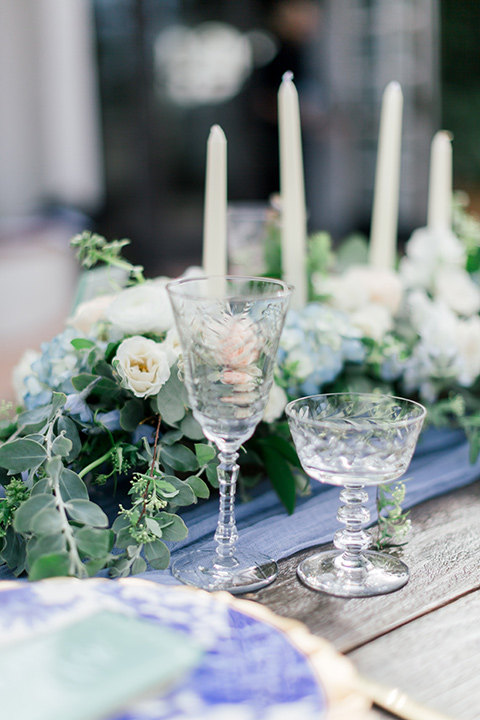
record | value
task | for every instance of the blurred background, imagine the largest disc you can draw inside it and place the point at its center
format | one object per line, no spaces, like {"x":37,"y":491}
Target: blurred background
{"x":106,"y":106}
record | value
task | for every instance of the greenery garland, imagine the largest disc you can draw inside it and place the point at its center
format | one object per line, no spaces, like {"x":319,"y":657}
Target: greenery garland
{"x":96,"y":466}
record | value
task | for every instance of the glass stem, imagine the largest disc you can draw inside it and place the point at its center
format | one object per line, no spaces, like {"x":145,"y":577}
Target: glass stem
{"x":353,"y":539}
{"x":226,"y":534}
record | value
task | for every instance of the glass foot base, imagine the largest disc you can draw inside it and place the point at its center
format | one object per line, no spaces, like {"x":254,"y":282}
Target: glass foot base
{"x":379,"y":574}
{"x":244,"y":573}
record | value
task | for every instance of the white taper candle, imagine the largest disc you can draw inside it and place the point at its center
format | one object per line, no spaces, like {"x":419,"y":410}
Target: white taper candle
{"x":439,"y":213}
{"x":292,"y":191}
{"x":384,"y":226}
{"x":215,"y":212}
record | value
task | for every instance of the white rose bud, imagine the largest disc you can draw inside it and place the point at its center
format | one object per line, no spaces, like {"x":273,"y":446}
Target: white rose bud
{"x":142,"y":365}
{"x":141,"y":309}
{"x":90,"y":312}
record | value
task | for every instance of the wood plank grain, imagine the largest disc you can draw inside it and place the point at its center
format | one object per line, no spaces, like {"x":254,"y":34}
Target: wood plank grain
{"x":433,"y":659}
{"x":442,"y":554}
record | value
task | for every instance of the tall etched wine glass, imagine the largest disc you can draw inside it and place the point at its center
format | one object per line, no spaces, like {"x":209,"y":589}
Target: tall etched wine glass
{"x":229,"y":330}
{"x":354,"y":440}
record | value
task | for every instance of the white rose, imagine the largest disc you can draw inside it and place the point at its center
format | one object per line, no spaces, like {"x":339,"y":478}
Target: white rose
{"x":457,"y":290}
{"x":382,"y":286}
{"x":467,"y":337}
{"x":90,"y":312}
{"x":373,"y":320}
{"x":276,"y":404}
{"x":362,"y":285}
{"x":427,"y":251}
{"x":433,"y":320}
{"x":21,"y":371}
{"x":341,"y":293}
{"x":142,"y":309}
{"x":142,"y":365}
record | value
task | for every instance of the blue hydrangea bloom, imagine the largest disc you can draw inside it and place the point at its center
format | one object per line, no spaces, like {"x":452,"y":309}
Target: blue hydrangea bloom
{"x":54,"y":369}
{"x":316,"y":343}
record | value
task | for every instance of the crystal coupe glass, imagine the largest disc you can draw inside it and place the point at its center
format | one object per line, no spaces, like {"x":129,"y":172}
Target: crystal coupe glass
{"x":229,"y":330}
{"x":354,"y":440}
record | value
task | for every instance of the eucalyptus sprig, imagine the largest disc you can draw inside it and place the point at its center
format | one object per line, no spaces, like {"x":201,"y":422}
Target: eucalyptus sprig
{"x":55,"y":529}
{"x":93,"y":249}
{"x":51,"y":521}
{"x":393,"y":523}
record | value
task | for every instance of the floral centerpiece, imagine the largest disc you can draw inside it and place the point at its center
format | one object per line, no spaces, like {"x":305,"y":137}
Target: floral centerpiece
{"x":413,"y":331}
{"x":104,"y":451}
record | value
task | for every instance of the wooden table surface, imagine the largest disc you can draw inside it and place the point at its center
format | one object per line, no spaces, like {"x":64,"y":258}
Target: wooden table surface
{"x":424,"y":638}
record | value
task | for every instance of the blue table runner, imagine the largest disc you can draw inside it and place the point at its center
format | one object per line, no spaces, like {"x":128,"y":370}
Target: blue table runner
{"x":440,"y":464}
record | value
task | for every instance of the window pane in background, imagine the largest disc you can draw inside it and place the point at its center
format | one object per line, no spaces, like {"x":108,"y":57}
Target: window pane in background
{"x":169,"y":70}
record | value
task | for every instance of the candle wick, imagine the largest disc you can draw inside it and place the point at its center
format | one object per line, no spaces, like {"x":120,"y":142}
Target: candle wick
{"x":287,"y":76}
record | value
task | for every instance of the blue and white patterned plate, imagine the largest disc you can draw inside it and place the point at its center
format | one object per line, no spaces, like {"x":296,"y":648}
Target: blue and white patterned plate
{"x":251,"y":669}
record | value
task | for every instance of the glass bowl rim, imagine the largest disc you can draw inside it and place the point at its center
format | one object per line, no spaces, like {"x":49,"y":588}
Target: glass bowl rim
{"x":284,"y":289}
{"x":318,"y":423}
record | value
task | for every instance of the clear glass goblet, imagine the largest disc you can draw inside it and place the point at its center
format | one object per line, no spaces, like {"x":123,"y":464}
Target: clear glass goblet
{"x":354,"y":440}
{"x":229,"y":330}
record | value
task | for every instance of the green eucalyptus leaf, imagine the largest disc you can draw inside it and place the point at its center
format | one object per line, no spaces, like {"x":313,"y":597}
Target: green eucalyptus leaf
{"x":33,"y":420}
{"x":94,"y":542}
{"x":171,"y":437}
{"x":53,"y":468}
{"x":179,"y":458}
{"x":165,"y":489}
{"x":103,"y":385}
{"x":185,"y":494}
{"x":72,"y":486}
{"x":69,"y":427}
{"x":204,"y":453}
{"x":41,"y":487}
{"x":47,"y":521}
{"x":26,"y":513}
{"x":44,"y":545}
{"x":199,"y":486}
{"x":211,"y":473}
{"x":13,"y":551}
{"x":52,"y":565}
{"x":132,"y":414}
{"x":94,"y":566}
{"x":139,"y":566}
{"x":4,"y":476}
{"x":36,"y":437}
{"x":58,"y":402}
{"x":121,"y":522}
{"x":119,"y":567}
{"x":86,"y":512}
{"x":171,"y":400}
{"x":173,"y":527}
{"x":80,"y":382}
{"x":104,"y":369}
{"x":62,"y":446}
{"x":153,"y":526}
{"x":191,"y":428}
{"x":111,"y":351}
{"x":7,"y":428}
{"x":22,"y":454}
{"x":124,"y":539}
{"x":83,"y":344}
{"x":157,"y":554}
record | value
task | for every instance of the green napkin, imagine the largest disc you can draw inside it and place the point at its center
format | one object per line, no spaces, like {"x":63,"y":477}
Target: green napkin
{"x":90,"y":668}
